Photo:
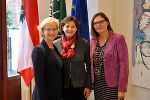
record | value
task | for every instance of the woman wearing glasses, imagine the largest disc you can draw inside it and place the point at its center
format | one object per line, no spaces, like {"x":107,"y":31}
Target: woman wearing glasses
{"x":47,"y":63}
{"x":109,"y":59}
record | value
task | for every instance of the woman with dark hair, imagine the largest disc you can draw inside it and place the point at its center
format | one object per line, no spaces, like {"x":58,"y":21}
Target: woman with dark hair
{"x":75,"y":52}
{"x":109,"y":60}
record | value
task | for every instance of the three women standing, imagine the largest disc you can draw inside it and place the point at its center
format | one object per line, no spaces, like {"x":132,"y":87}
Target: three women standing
{"x":109,"y":60}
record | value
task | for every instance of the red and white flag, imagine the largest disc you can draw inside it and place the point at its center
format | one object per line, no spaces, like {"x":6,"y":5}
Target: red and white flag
{"x":28,"y":38}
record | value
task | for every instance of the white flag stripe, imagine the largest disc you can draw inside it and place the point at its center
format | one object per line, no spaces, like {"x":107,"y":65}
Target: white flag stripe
{"x":25,"y":47}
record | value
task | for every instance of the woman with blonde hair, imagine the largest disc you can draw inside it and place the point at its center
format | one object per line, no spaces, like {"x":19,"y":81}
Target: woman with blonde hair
{"x":47,"y":63}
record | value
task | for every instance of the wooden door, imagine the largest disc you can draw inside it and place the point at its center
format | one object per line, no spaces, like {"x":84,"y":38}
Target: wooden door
{"x":10,"y":87}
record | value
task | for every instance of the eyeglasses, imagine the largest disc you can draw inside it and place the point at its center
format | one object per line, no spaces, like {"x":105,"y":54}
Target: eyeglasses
{"x":99,"y":22}
{"x":50,"y":30}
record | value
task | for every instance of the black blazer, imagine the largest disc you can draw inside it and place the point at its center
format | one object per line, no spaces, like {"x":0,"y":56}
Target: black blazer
{"x":78,"y":67}
{"x":47,"y":74}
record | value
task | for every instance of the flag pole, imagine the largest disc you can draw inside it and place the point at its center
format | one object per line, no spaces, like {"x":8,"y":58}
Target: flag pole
{"x":29,"y":92}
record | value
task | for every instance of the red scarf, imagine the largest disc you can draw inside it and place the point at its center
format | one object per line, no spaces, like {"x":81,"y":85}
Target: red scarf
{"x":68,"y":47}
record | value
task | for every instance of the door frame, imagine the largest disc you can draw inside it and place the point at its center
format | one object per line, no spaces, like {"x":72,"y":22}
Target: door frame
{"x":1,"y":52}
{"x":3,"y":49}
{"x":10,"y":87}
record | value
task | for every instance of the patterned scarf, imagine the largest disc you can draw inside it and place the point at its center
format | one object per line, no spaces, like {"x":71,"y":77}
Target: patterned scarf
{"x":68,"y":46}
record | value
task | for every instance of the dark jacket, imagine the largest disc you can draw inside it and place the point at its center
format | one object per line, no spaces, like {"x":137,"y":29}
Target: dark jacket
{"x":116,"y":63}
{"x":77,"y":69}
{"x":47,"y":74}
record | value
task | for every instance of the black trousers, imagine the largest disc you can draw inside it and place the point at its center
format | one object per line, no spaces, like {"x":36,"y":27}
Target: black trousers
{"x":74,"y":93}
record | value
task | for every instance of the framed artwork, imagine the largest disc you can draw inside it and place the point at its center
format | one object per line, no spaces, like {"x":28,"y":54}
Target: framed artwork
{"x":141,"y":44}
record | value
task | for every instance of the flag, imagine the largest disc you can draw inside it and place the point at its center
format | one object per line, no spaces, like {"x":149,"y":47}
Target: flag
{"x":79,"y":11}
{"x":58,"y":9}
{"x":28,"y":38}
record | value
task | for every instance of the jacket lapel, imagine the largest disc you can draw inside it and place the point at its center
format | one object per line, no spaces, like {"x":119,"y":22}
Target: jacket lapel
{"x":110,"y":43}
{"x":52,"y":56}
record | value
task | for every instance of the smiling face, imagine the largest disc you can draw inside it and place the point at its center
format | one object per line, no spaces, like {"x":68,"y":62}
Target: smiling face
{"x":100,"y":24}
{"x":50,"y":31}
{"x":69,"y":29}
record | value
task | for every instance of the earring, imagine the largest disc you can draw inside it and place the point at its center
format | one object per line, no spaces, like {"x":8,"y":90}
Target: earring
{"x":42,"y":35}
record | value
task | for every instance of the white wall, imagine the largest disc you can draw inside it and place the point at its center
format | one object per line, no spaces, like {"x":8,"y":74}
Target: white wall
{"x":92,"y":6}
{"x":107,"y":6}
{"x":44,"y":8}
{"x":120,"y":13}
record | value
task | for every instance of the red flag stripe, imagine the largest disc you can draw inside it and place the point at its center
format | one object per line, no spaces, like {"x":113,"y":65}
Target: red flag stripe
{"x":27,"y":75}
{"x":29,"y":38}
{"x":31,"y":13}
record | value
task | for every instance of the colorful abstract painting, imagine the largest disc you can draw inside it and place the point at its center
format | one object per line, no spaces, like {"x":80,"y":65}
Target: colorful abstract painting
{"x":141,"y":44}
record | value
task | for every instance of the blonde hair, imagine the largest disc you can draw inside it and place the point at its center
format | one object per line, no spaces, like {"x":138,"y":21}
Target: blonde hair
{"x":46,"y":21}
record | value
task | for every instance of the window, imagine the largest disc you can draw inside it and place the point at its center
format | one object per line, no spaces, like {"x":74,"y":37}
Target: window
{"x":12,"y":13}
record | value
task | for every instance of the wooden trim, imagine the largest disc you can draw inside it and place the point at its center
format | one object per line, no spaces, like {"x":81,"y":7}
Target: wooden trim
{"x":10,"y":88}
{"x":1,"y":51}
{"x":14,"y":89}
{"x":4,"y":50}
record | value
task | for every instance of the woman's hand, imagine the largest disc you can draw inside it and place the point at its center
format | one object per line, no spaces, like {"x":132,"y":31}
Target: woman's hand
{"x":121,"y":95}
{"x":87,"y":92}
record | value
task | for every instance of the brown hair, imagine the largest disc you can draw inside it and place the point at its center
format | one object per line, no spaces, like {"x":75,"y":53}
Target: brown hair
{"x":68,"y":19}
{"x":93,"y":32}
